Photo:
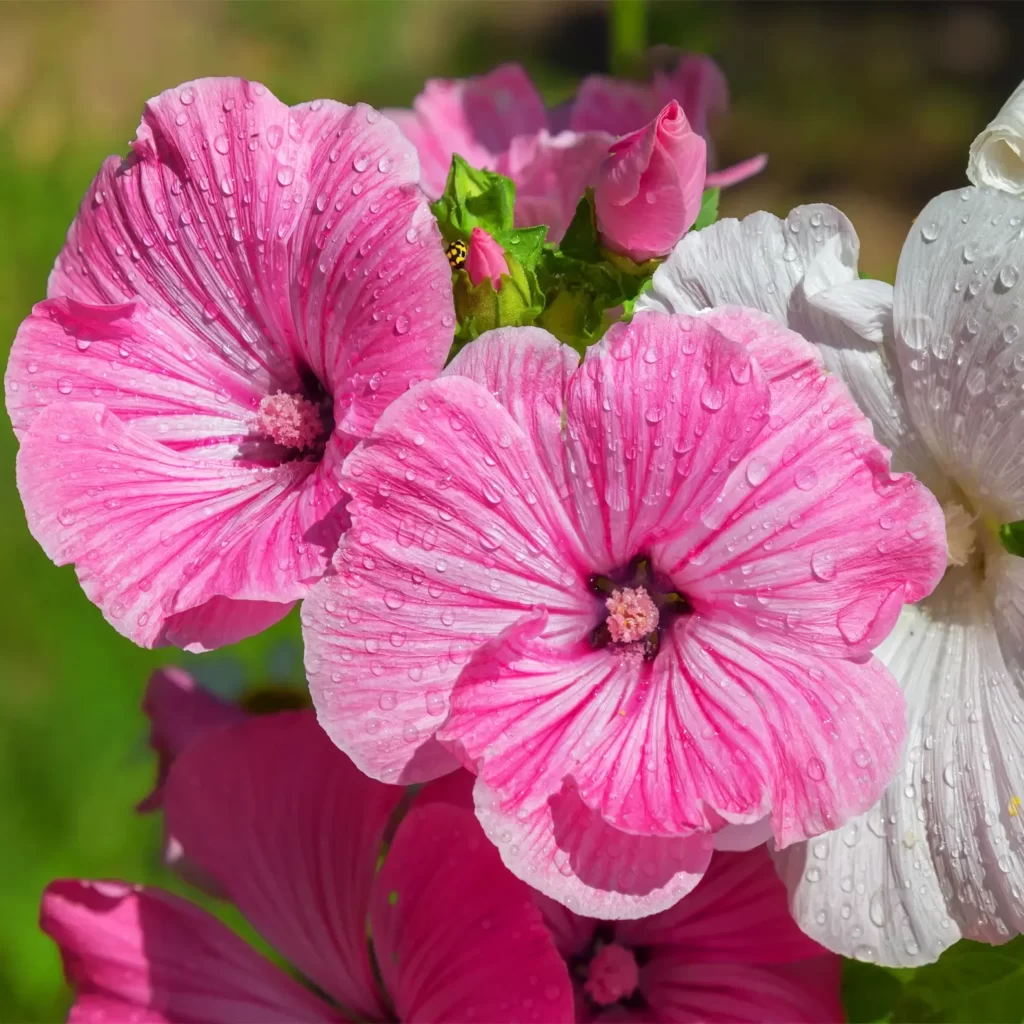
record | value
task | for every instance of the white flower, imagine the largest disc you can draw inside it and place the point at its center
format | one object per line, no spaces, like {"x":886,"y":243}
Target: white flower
{"x":938,"y":365}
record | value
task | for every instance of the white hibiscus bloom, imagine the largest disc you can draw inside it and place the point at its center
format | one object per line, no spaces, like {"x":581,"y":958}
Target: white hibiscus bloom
{"x":938,"y":365}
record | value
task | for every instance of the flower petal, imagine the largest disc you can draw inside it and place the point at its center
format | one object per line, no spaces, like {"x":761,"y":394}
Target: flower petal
{"x":179,"y":712}
{"x":961,"y":352}
{"x":567,"y":852}
{"x":759,"y":261}
{"x":738,"y":914}
{"x":997,"y":154}
{"x":658,"y":407}
{"x":720,"y":726}
{"x":145,"y":955}
{"x":456,"y":936}
{"x":292,"y":831}
{"x":551,"y":173}
{"x":742,"y":993}
{"x":803,"y":272}
{"x":143,"y":365}
{"x":475,"y":117}
{"x":527,"y":370}
{"x":939,"y":856}
{"x":458,"y":533}
{"x":155,"y":533}
{"x":776,"y":550}
{"x":243,"y":219}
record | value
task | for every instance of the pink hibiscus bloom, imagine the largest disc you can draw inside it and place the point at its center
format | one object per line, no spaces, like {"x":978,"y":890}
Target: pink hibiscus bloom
{"x":637,"y":597}
{"x":498,"y":121}
{"x":729,"y":952}
{"x":293,"y":834}
{"x":236,"y":303}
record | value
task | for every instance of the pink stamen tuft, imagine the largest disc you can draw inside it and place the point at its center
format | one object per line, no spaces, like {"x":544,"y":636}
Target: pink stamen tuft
{"x":290,"y":420}
{"x":613,"y":975}
{"x":632,"y":615}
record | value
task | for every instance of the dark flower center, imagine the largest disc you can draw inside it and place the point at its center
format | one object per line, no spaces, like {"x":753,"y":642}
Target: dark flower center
{"x":640,"y":607}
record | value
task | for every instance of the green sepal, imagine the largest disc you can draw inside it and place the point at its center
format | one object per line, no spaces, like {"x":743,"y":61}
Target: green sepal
{"x":1012,"y":537}
{"x":474,"y":198}
{"x":517,"y":303}
{"x":582,"y":281}
{"x":525,"y":245}
{"x":708,"y":209}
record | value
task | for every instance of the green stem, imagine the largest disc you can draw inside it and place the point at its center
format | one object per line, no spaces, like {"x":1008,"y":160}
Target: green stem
{"x":627,"y":37}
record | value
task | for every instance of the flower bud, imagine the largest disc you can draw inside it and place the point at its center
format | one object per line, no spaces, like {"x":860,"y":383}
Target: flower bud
{"x":485,"y":259}
{"x":649,"y":188}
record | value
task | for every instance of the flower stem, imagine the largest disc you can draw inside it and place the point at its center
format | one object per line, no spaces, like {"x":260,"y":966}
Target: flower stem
{"x":627,"y":37}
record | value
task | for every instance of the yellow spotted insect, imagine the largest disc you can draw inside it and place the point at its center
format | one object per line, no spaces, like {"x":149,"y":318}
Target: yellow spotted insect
{"x":456,"y":253}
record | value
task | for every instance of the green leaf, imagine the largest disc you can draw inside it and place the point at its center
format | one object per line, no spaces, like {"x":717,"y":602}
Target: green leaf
{"x":708,"y":209}
{"x":970,"y":982}
{"x":870,"y":993}
{"x":1012,"y":536}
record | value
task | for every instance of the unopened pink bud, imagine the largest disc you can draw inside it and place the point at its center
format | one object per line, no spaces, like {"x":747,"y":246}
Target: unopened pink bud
{"x":485,"y":258}
{"x":649,"y":188}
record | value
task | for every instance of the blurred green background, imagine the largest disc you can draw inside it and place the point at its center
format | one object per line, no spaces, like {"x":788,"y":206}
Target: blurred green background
{"x":871,"y":107}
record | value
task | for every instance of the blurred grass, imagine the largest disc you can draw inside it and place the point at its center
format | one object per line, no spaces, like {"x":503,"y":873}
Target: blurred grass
{"x":868,"y":106}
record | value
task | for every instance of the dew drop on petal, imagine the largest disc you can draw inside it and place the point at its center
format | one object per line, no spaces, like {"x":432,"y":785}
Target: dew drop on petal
{"x":823,"y":565}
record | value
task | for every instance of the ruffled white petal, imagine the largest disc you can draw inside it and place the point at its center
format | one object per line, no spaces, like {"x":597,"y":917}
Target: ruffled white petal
{"x":997,"y":154}
{"x":941,"y":855}
{"x":803,"y":271}
{"x":958,"y":326}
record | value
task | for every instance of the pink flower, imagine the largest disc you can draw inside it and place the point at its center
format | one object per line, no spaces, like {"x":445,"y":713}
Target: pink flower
{"x":649,"y":189}
{"x":235,"y":304}
{"x":498,"y":121}
{"x":712,"y":464}
{"x":728,"y":952}
{"x":485,"y":259}
{"x":293,"y":834}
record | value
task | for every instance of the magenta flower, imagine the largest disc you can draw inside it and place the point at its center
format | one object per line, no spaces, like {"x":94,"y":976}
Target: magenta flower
{"x":729,"y":952}
{"x":236,"y":303}
{"x":648,"y":190}
{"x":498,"y":121}
{"x":485,"y":259}
{"x":293,"y":833}
{"x":708,"y":466}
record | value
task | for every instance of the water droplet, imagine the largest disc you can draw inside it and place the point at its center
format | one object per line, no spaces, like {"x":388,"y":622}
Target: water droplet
{"x":1009,"y":276}
{"x":393,"y":599}
{"x":275,"y":133}
{"x":64,"y":386}
{"x":435,"y":702}
{"x":221,"y":144}
{"x":384,"y":164}
{"x":187,"y":96}
{"x":285,"y":176}
{"x":970,"y":252}
{"x":930,"y":231}
{"x":861,"y":758}
{"x":976,"y":380}
{"x":1010,"y":333}
{"x":823,"y":565}
{"x":757,"y":472}
{"x":712,"y":397}
{"x":360,"y":163}
{"x":387,"y":701}
{"x":806,"y":478}
{"x":401,"y":325}
{"x":815,"y":769}
{"x":949,"y":775}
